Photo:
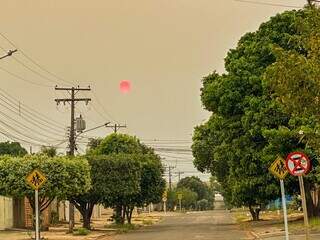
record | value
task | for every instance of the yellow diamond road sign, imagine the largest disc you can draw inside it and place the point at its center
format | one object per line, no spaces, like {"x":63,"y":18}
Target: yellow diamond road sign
{"x":278,"y":168}
{"x":36,"y":179}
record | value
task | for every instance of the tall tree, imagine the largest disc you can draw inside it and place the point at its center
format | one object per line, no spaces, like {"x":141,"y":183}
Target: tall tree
{"x":196,"y":185}
{"x":115,"y":178}
{"x":127,"y":148}
{"x":232,"y":144}
{"x":12,"y":148}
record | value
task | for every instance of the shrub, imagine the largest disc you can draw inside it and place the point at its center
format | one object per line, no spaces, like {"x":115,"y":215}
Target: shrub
{"x":81,"y":232}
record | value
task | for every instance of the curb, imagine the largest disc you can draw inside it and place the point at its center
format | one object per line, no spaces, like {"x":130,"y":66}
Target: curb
{"x":255,"y":235}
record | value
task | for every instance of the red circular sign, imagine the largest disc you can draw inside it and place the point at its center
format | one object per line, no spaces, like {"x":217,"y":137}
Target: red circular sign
{"x":298,"y":163}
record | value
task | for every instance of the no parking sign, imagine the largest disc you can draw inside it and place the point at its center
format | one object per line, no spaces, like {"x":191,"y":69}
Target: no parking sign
{"x":298,"y":164}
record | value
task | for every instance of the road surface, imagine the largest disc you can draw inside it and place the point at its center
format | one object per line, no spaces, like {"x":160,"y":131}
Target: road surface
{"x":217,"y":225}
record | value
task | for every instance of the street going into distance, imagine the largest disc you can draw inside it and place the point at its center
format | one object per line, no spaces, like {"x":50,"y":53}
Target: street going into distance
{"x":217,"y":224}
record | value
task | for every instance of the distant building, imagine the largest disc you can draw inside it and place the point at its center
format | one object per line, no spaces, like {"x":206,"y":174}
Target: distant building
{"x":218,"y":202}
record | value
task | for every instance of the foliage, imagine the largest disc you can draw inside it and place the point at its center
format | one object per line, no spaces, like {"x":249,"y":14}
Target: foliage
{"x":115,"y":179}
{"x":49,"y":151}
{"x":189,"y":198}
{"x":149,"y":172}
{"x":196,"y":185}
{"x":271,"y":76}
{"x":12,"y":148}
{"x":93,"y":144}
{"x":81,"y":232}
{"x":118,"y":143}
{"x":65,"y":177}
{"x":203,"y":205}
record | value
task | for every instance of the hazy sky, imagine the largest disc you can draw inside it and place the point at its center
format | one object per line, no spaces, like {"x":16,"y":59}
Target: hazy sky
{"x":164,"y":47}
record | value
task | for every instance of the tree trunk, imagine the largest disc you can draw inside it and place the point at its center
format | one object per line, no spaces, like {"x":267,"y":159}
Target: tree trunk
{"x":129,"y":211}
{"x":254,"y":213}
{"x":86,"y":220}
{"x":312,"y":199}
{"x":123,"y":216}
{"x":119,"y":217}
{"x":86,"y":212}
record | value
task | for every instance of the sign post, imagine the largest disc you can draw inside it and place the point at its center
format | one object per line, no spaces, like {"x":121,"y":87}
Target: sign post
{"x":37,"y":213}
{"x":304,"y":207}
{"x":164,"y":199}
{"x":284,"y":207}
{"x":36,"y":179}
{"x":278,"y":169}
{"x":298,"y":164}
{"x":180,"y":199}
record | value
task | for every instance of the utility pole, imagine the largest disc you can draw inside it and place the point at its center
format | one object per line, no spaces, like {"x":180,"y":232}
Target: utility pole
{"x":179,"y":174}
{"x":116,"y":127}
{"x":72,"y":100}
{"x":170,"y":168}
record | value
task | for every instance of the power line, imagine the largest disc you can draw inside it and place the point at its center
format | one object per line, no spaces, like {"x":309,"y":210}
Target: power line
{"x":17,"y":139}
{"x":22,"y":134}
{"x":24,"y":79}
{"x":268,"y":4}
{"x":179,"y":150}
{"x":40,"y":116}
{"x":103,"y":107}
{"x":30,"y":119}
{"x":35,"y":62}
{"x":175,"y":157}
{"x":22,"y":125}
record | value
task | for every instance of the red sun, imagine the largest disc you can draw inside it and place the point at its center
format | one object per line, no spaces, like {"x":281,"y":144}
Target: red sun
{"x":125,"y":86}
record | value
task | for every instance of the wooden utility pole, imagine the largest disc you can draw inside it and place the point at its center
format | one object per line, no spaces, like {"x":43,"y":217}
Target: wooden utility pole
{"x":179,"y":174}
{"x":116,"y":127}
{"x":72,"y":100}
{"x":170,"y":168}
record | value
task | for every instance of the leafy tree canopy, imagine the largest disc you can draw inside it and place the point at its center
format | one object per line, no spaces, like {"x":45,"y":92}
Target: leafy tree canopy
{"x":65,"y":177}
{"x":255,"y":101}
{"x":12,"y":148}
{"x":196,"y":185}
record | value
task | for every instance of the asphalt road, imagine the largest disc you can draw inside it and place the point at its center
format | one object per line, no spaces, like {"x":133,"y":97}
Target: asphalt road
{"x":217,"y":225}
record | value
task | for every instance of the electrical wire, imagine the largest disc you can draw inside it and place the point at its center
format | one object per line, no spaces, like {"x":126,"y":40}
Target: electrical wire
{"x":30,"y":119}
{"x":24,"y":79}
{"x":32,"y":111}
{"x":268,"y":4}
{"x":35,"y":62}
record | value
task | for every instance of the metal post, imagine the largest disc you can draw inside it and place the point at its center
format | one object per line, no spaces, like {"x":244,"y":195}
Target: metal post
{"x":180,"y":204}
{"x":165,"y":207}
{"x":37,"y":214}
{"x":304,"y":206}
{"x":284,"y":207}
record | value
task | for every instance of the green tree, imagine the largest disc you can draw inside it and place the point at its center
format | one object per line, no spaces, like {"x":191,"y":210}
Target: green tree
{"x":118,"y":143}
{"x":65,"y":177}
{"x":151,"y":183}
{"x":233,"y":143}
{"x":115,"y":179}
{"x":12,"y":148}
{"x":196,"y":185}
{"x":49,"y":151}
{"x":93,"y":144}
{"x":189,"y":198}
{"x":203,"y":205}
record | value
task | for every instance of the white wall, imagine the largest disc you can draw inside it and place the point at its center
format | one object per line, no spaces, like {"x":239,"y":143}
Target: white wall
{"x":6,"y":212}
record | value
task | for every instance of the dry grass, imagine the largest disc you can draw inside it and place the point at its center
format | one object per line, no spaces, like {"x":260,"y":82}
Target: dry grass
{"x":272,"y":222}
{"x":102,"y":230}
